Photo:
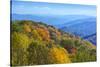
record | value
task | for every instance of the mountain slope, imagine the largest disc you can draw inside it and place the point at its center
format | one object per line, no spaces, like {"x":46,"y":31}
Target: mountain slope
{"x":82,"y":28}
{"x":35,"y":43}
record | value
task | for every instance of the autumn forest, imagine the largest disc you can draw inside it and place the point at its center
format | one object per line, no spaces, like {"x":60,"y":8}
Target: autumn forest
{"x":37,"y":43}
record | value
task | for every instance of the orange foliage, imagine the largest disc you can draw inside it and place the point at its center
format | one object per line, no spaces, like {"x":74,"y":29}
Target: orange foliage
{"x":58,"y":33}
{"x":27,"y":28}
{"x":44,"y":33}
{"x":58,"y":55}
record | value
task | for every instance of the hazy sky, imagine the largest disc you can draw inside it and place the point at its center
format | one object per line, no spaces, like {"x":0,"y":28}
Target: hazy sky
{"x":39,"y":8}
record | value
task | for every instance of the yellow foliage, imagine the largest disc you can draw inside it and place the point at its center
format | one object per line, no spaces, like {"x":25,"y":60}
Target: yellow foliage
{"x":58,"y":55}
{"x":20,"y":40}
{"x":35,"y":35}
{"x":89,"y":45}
{"x":27,"y":28}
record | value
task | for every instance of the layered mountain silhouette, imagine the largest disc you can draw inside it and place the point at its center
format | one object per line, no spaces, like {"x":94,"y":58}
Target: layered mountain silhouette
{"x":83,"y":27}
{"x":79,"y":25}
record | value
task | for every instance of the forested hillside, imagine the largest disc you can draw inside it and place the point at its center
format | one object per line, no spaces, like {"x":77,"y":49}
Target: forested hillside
{"x":36,"y":43}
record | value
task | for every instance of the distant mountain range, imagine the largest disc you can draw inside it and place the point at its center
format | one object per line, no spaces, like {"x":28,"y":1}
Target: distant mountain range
{"x":79,"y":25}
{"x":51,"y":20}
{"x":86,"y":28}
{"x":92,"y":38}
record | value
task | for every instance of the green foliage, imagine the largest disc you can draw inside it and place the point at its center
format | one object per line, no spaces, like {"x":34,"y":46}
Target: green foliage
{"x":19,"y":57}
{"x":35,"y":35}
{"x":16,"y":27}
{"x":84,"y":56}
{"x":37,"y":54}
{"x":89,"y":45}
{"x":20,"y":40}
{"x":77,"y":43}
{"x":67,"y":43}
{"x":43,"y":24}
{"x":38,"y":43}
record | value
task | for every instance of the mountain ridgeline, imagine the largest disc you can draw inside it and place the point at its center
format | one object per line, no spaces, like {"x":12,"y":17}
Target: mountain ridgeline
{"x":36,"y":43}
{"x":74,"y":24}
{"x":81,"y":27}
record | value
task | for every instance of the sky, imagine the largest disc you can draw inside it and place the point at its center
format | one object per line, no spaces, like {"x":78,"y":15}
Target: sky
{"x":88,"y":2}
{"x":53,"y":9}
